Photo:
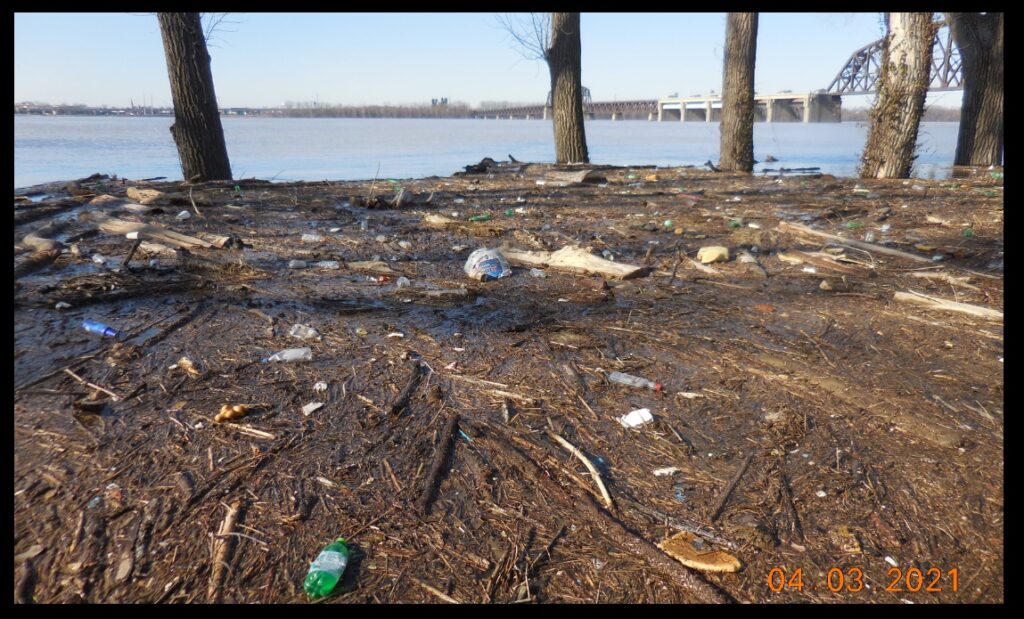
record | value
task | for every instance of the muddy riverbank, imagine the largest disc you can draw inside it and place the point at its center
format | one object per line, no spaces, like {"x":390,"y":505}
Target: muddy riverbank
{"x":831,"y":416}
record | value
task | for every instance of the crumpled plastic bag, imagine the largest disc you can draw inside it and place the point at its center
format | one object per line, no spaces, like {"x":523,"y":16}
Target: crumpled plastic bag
{"x":486,"y":264}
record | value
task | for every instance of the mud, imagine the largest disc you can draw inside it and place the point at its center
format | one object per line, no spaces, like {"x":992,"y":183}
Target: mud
{"x":874,"y":429}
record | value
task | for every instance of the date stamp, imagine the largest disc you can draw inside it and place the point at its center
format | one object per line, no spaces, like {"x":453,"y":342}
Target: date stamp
{"x":851,"y":580}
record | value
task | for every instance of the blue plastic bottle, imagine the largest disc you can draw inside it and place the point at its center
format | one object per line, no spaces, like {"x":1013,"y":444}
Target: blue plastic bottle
{"x":98,"y":328}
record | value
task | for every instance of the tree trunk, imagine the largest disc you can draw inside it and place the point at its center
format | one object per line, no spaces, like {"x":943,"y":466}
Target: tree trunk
{"x":197,"y":130}
{"x":563,"y":58}
{"x":902,"y":88}
{"x":980,"y":40}
{"x":737,"y":126}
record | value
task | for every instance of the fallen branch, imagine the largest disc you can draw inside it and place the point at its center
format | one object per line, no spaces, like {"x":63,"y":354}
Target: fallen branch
{"x":677,"y":523}
{"x":786,"y":226}
{"x":222,"y":545}
{"x":440,"y":458}
{"x":947,"y":305}
{"x":576,"y":260}
{"x":513,"y":396}
{"x":590,"y":467}
{"x":724,"y":497}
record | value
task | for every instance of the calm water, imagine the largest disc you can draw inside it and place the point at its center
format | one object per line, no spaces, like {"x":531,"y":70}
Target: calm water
{"x":52,"y":148}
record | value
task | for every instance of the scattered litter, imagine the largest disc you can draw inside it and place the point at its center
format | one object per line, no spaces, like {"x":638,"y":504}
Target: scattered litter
{"x":753,"y":225}
{"x":713,"y":253}
{"x":690,"y":395}
{"x":451,"y":366}
{"x":396,"y":334}
{"x":229,"y":412}
{"x":891,"y":561}
{"x":334,"y":230}
{"x":481,"y":217}
{"x":380,"y":238}
{"x":98,"y":328}
{"x":633,"y":381}
{"x":326,"y":570}
{"x":405,"y":245}
{"x":821,"y":494}
{"x":99,"y":259}
{"x":62,"y":305}
{"x":303,"y":332}
{"x":312,"y":238}
{"x":402,"y":282}
{"x":486,"y":264}
{"x":290,"y":354}
{"x":668,"y":470}
{"x":182,"y":216}
{"x":297,"y":264}
{"x":538,"y":273}
{"x":809,"y":270}
{"x":311,"y":407}
{"x":689,"y":550}
{"x":329,"y":264}
{"x":132,"y":235}
{"x":637,"y":418}
{"x":186,"y":364}
{"x":320,"y":386}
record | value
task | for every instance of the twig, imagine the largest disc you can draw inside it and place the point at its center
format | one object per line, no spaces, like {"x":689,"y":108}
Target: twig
{"x":470,"y":379}
{"x":440,"y":458}
{"x":193,"y":202}
{"x":113,"y":395}
{"x":678,"y":523}
{"x":730,"y":487}
{"x":590,"y":467}
{"x":434,"y":591}
{"x":403,"y":398}
{"x":375,"y":174}
{"x":222,"y":546}
{"x":251,"y":431}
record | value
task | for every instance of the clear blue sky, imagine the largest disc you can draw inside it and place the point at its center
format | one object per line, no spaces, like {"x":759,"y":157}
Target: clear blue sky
{"x":266,"y":59}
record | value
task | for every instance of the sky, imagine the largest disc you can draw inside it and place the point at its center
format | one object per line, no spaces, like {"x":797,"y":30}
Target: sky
{"x":268,"y":59}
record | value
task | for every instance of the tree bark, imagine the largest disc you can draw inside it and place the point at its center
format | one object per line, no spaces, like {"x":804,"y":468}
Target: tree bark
{"x":903,"y":86}
{"x":737,"y":126}
{"x":563,"y":57}
{"x":980,"y":40}
{"x":196,"y":130}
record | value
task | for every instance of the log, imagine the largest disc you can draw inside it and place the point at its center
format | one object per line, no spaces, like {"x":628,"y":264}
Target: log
{"x":576,"y":260}
{"x":444,"y":448}
{"x":786,"y":226}
{"x":574,"y":178}
{"x":35,"y":261}
{"x":113,"y":225}
{"x":144,"y":196}
{"x":947,"y":305}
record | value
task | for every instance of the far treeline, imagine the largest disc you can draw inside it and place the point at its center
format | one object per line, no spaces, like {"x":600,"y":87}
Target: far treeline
{"x":893,"y":120}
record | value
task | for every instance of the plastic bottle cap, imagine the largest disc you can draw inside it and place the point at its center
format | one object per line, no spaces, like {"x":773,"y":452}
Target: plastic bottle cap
{"x":658,"y":386}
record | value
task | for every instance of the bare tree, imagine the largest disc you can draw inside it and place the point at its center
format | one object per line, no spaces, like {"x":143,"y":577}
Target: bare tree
{"x":197,"y":129}
{"x":737,"y":126}
{"x":979,"y":36}
{"x":555,"y":38}
{"x":902,"y":88}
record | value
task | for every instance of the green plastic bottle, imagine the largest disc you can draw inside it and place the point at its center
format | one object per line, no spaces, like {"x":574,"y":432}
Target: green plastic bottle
{"x":326,"y":570}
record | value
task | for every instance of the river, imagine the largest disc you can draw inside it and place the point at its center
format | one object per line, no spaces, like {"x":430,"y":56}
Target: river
{"x":53,"y":148}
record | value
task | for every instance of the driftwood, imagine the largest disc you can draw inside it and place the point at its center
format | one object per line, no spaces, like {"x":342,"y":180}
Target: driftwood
{"x":947,"y":305}
{"x":724,"y":497}
{"x":574,"y":178}
{"x":372,"y":266}
{"x":590,"y":467}
{"x":786,"y":226}
{"x":576,"y":260}
{"x":820,"y":260}
{"x":113,"y":225}
{"x":946,"y":277}
{"x":444,"y":448}
{"x":588,"y":510}
{"x":473,"y":228}
{"x":403,"y":398}
{"x":222,"y":547}
{"x":37,"y":260}
{"x":144,"y":196}
{"x":749,"y":262}
{"x":37,"y":240}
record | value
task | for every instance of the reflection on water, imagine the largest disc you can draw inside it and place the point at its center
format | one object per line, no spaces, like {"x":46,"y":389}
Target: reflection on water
{"x":51,"y":148}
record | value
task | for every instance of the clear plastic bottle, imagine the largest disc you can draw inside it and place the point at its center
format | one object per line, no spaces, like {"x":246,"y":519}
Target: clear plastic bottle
{"x":634,"y":381}
{"x":312,"y":238}
{"x":325,"y":572}
{"x":291,"y":354}
{"x":98,"y":328}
